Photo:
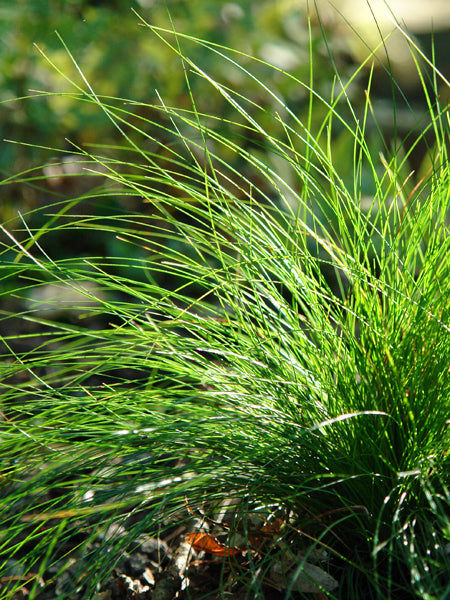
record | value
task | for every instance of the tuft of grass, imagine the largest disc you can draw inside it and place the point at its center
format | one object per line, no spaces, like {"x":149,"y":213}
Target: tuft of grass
{"x":272,"y":329}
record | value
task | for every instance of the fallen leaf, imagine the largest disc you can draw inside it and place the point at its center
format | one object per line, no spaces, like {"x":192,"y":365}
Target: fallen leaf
{"x":208,"y":543}
{"x":273,"y":526}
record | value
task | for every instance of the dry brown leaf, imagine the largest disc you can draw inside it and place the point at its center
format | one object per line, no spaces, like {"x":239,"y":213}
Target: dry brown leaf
{"x":208,"y":543}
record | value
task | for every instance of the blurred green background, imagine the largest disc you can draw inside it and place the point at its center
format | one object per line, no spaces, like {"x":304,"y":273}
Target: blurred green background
{"x":120,"y":57}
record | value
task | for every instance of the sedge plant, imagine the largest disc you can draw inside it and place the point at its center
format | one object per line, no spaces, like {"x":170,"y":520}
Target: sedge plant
{"x":271,"y":335}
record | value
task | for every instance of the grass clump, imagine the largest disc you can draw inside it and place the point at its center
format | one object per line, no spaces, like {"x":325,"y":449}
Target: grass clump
{"x":265,"y":338}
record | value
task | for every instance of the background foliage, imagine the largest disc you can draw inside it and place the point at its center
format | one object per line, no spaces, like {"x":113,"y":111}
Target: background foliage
{"x":122,"y":59}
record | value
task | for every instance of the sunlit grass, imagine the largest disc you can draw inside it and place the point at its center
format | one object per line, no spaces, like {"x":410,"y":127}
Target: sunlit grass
{"x":261,"y":334}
